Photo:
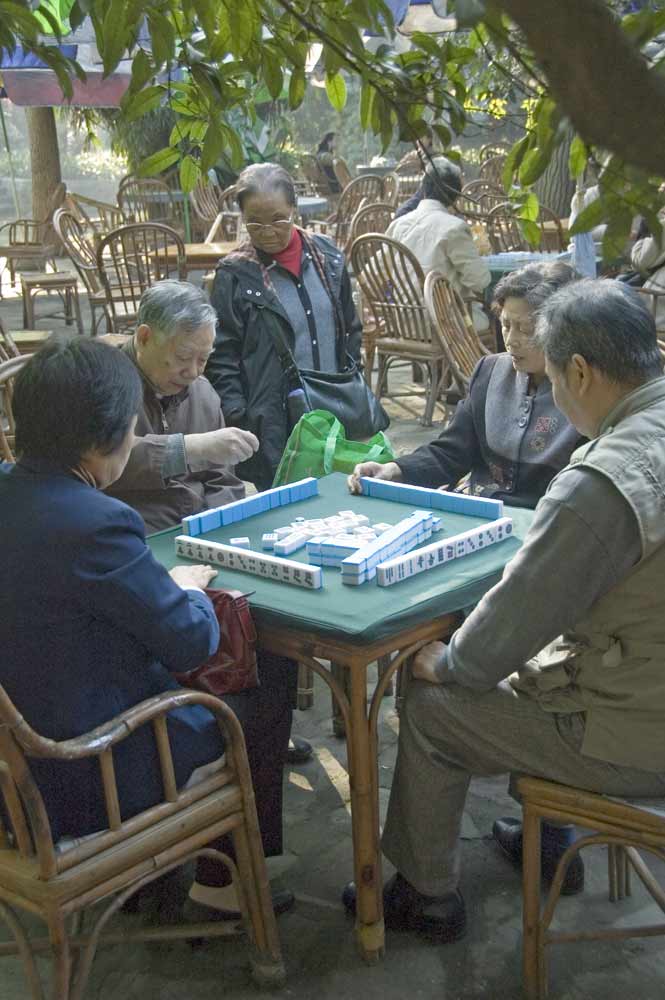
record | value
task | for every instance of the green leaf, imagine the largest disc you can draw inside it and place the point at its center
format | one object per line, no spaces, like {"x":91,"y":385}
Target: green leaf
{"x":443,"y":133}
{"x":142,"y":70}
{"x":578,"y":157}
{"x":162,"y":36}
{"x":237,"y":153}
{"x":212,"y":148}
{"x":189,"y":173}
{"x":221,"y":47}
{"x":366,"y":100}
{"x":180,"y":131}
{"x":205,"y":11}
{"x":617,"y":233}
{"x":589,"y":217}
{"x":513,"y":161}
{"x":297,"y":85}
{"x":138,"y":104}
{"x":533,"y":165}
{"x":469,"y":12}
{"x":159,"y":161}
{"x":272,"y":73}
{"x":336,"y":91}
{"x":530,"y":208}
{"x":242,"y":25}
{"x":114,"y":34}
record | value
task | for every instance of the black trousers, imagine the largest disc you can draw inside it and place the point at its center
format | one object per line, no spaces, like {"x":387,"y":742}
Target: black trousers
{"x":265,"y":714}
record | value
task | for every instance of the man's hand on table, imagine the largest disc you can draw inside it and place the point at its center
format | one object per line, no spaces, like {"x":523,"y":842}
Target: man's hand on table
{"x":374,"y":470}
{"x":226,"y":446}
{"x":426,"y":661}
{"x":192,"y":576}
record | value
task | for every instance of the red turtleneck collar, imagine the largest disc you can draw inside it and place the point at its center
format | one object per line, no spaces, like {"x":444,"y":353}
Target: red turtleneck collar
{"x":290,"y":258}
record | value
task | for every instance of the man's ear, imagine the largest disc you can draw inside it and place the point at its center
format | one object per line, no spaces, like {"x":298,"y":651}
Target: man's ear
{"x":143,"y":334}
{"x":580,"y":375}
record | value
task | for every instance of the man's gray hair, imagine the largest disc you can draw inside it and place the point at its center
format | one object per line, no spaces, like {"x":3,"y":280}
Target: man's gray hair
{"x":607,"y":323}
{"x":442,"y":180}
{"x":169,"y":307}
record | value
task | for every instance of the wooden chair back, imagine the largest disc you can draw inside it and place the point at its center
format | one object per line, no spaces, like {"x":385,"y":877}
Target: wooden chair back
{"x":552,"y":234}
{"x":392,"y":284}
{"x":9,"y":369}
{"x":128,"y":852}
{"x":342,"y":172}
{"x":133,"y":258}
{"x":408,"y":185}
{"x":80,"y":249}
{"x":410,"y":165}
{"x":205,"y":199}
{"x":459,"y":339}
{"x":492,"y":149}
{"x":504,"y":231}
{"x":390,"y":189}
{"x":371,"y":219}
{"x":491,"y":169}
{"x":625,"y":828}
{"x":314,"y":175}
{"x":227,"y":224}
{"x":146,"y":199}
{"x":366,"y":189}
{"x":8,"y":348}
{"x":98,"y":216}
{"x":477,"y":198}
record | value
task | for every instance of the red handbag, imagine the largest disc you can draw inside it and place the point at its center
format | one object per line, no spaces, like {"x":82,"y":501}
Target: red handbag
{"x":233,"y":667}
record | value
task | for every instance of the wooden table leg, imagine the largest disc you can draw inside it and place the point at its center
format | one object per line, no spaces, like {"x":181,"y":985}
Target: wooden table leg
{"x":365,"y":822}
{"x":341,"y":675}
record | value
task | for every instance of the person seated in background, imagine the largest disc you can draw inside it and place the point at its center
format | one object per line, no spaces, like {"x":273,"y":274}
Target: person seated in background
{"x":183,"y":455}
{"x":90,"y":623}
{"x":588,"y":710}
{"x":648,"y":259}
{"x":182,"y":458}
{"x":507,"y":433}
{"x":442,"y":241}
{"x":325,"y":154}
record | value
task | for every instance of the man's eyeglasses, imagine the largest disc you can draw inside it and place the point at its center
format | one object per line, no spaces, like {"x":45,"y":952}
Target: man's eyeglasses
{"x":278,"y":226}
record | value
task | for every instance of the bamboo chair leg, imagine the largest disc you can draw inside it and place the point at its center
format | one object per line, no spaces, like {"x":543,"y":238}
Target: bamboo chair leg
{"x":432,"y":392}
{"x":612,"y":872}
{"x":342,"y":676}
{"x":305,"y":697}
{"x":533,"y":959}
{"x":256,"y":905}
{"x":25,"y":951}
{"x":383,"y":664}
{"x":62,"y":965}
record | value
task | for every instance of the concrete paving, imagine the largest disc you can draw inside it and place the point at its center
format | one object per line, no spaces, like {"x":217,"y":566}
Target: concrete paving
{"x":317,"y":937}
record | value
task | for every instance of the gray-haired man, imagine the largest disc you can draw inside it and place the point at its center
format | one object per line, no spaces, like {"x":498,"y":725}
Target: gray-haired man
{"x":183,"y":457}
{"x":587,"y":709}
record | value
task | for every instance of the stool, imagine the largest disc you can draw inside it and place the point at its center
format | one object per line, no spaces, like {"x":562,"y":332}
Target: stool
{"x":29,"y":341}
{"x":63,"y":284}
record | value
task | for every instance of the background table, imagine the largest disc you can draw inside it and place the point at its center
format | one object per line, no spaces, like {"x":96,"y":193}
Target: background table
{"x":202,"y":256}
{"x":310,"y":206}
{"x":353,"y":627}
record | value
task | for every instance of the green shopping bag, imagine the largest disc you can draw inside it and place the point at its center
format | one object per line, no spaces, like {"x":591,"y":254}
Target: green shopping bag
{"x":317,"y":446}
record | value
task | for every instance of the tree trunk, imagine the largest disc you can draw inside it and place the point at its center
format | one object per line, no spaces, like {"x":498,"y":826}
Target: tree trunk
{"x":555,"y":188}
{"x":44,"y":158}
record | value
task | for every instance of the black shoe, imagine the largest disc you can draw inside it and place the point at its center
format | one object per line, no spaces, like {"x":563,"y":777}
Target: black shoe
{"x":507,"y":832}
{"x":299,"y":751}
{"x":441,"y":918}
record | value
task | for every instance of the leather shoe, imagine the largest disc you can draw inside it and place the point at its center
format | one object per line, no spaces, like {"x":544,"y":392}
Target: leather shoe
{"x":507,"y":833}
{"x":299,"y":751}
{"x":440,"y":918}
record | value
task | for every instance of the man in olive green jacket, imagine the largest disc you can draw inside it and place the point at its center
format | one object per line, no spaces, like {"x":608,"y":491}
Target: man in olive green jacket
{"x":506,"y":695}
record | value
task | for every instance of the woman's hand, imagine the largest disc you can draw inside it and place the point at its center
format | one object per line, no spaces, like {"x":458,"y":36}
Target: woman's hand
{"x":373,"y":470}
{"x":192,"y":576}
{"x":426,"y":661}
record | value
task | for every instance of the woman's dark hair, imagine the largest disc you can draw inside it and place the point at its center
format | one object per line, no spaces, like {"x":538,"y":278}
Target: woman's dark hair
{"x":324,"y":145}
{"x":264,"y":178}
{"x":533,"y":283}
{"x":74,"y":395}
{"x":442,"y":181}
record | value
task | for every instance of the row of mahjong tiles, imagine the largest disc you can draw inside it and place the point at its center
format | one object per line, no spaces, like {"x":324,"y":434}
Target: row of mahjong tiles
{"x":347,"y":540}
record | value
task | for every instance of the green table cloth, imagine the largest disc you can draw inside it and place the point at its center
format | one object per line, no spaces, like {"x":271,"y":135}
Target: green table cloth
{"x":369,"y":612}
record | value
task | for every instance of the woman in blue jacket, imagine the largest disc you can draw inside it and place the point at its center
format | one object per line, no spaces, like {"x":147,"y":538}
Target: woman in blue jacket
{"x":90,"y":623}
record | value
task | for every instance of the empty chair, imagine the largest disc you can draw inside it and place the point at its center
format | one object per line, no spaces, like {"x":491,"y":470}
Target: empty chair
{"x":504,"y":230}
{"x":227,"y":223}
{"x":477,"y":198}
{"x":58,"y":881}
{"x":204,"y":199}
{"x":146,"y":199}
{"x":390,"y":189}
{"x":342,"y":172}
{"x":132,"y":258}
{"x":99,"y":217}
{"x":392,"y":285}
{"x":363,"y":190}
{"x":408,"y":186}
{"x":491,"y":169}
{"x":371,"y":219}
{"x":31,"y":240}
{"x":459,"y":339}
{"x":81,"y":251}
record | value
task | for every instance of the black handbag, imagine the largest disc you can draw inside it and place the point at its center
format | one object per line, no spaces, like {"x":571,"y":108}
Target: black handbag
{"x":345,"y":394}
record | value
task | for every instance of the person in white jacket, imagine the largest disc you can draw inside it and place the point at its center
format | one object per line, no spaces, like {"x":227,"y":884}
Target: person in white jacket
{"x":648,"y":257}
{"x":441,"y":240}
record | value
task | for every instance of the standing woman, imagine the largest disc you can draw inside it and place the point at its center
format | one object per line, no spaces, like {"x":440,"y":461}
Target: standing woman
{"x":325,"y":154}
{"x":283,"y":287}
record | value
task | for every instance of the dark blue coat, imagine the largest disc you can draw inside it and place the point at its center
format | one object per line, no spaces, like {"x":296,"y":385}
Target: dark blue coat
{"x":91,"y":624}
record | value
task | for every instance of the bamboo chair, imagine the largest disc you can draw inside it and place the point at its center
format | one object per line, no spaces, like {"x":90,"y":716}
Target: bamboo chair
{"x":408,"y":185}
{"x":371,"y":219}
{"x":315,"y":175}
{"x":492,"y":149}
{"x":504,"y":230}
{"x":363,"y":190}
{"x":461,"y":345}
{"x":228,"y":222}
{"x":58,"y":881}
{"x":133,"y":258}
{"x":491,"y":169}
{"x":81,"y":251}
{"x":623,"y":827}
{"x":392,"y":284}
{"x":204,"y":200}
{"x":146,"y":199}
{"x":477,"y":198}
{"x":30,"y":240}
{"x":390,"y":189}
{"x":99,"y":217}
{"x":9,"y":369}
{"x":16,"y":343}
{"x":552,"y":235}
{"x":342,"y":172}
